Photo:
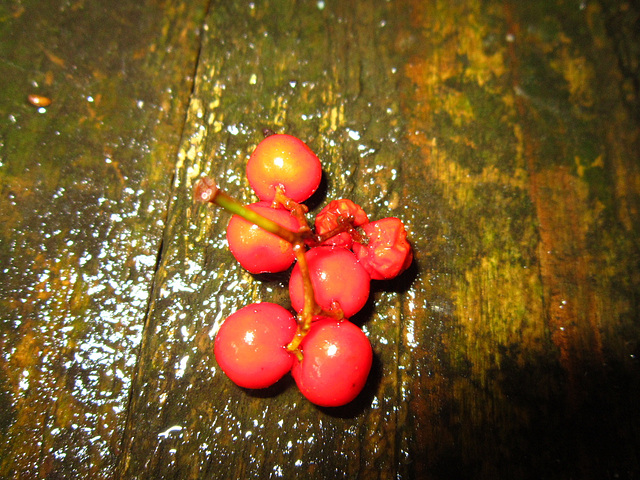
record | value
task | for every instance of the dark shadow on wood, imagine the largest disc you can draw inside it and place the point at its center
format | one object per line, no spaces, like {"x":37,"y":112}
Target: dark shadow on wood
{"x":274,"y":390}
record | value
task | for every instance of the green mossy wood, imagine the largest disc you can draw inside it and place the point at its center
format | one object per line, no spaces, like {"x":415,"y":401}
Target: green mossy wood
{"x":504,"y":134}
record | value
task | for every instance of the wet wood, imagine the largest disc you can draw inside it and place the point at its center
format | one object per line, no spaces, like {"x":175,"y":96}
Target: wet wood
{"x":504,"y":134}
{"x":85,"y":185}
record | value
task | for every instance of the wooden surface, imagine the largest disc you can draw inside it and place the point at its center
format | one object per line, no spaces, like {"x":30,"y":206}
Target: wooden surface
{"x":504,"y":134}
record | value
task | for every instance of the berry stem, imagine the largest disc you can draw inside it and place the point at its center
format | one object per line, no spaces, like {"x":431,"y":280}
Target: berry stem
{"x":344,"y":224}
{"x":298,"y":211}
{"x":206,"y":190}
{"x":310,"y":307}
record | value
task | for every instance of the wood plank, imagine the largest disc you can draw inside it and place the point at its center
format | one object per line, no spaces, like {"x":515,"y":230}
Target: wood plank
{"x":315,"y":73}
{"x":85,"y":187}
{"x":528,"y":288}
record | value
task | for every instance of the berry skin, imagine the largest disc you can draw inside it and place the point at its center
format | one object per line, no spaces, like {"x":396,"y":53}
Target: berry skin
{"x":336,"y":276}
{"x":283,"y":160}
{"x":257,"y":250}
{"x":250,"y":345}
{"x":336,"y":360}
{"x":332,"y":214}
{"x":388,"y":253}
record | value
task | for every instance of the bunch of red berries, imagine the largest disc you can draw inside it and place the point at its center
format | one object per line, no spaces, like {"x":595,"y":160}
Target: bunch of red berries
{"x":328,"y":356}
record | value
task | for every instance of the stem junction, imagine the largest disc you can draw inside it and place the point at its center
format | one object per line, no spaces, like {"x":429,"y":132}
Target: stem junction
{"x":206,"y":191}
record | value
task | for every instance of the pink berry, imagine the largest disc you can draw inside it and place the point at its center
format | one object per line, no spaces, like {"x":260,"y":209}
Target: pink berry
{"x":250,"y":346}
{"x":336,"y":360}
{"x":336,"y":276}
{"x":331,"y":216}
{"x":285,"y":161}
{"x":257,"y":250}
{"x":387,"y":253}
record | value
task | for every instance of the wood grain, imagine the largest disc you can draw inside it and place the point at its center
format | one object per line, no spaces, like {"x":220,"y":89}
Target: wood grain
{"x":504,"y":135}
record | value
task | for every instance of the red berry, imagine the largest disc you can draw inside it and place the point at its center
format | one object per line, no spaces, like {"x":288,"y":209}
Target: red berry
{"x":336,"y":276}
{"x":339,"y":210}
{"x":336,"y":361}
{"x":250,"y":345}
{"x":283,"y":160}
{"x":257,"y":250}
{"x":388,"y":253}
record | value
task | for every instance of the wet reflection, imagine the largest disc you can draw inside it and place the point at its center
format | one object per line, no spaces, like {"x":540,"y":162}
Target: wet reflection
{"x":274,"y":433}
{"x":82,"y":210}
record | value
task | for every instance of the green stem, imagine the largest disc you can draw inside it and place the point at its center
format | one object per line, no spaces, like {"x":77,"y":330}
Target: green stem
{"x":206,"y":190}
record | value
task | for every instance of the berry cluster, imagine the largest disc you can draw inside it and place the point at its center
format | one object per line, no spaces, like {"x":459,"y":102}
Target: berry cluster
{"x":328,"y":356}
